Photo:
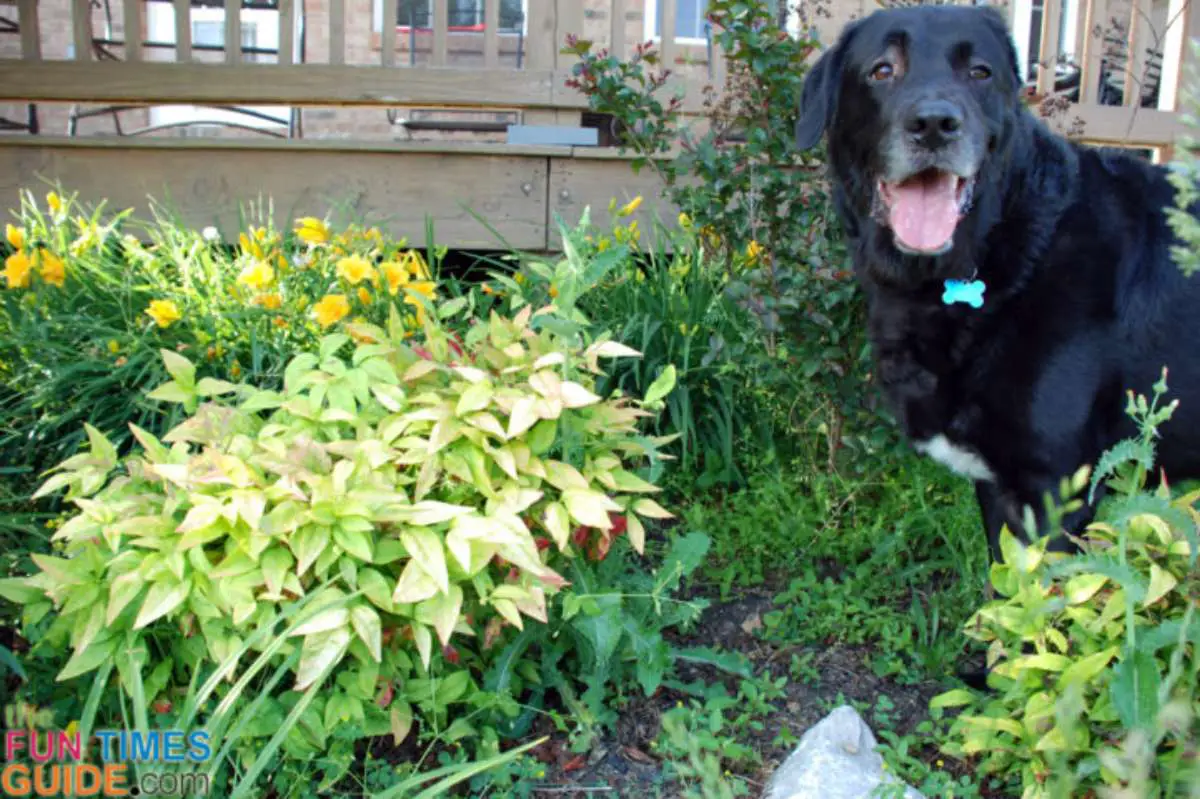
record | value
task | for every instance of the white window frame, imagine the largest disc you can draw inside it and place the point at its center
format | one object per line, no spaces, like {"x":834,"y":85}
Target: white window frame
{"x":160,"y":24}
{"x":651,"y":28}
{"x":377,"y":20}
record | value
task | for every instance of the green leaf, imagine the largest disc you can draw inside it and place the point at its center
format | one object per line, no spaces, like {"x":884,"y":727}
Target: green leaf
{"x":275,"y":563}
{"x":369,"y":629}
{"x":308,"y":544}
{"x":170,"y":392}
{"x":18,"y":590}
{"x":589,"y":507}
{"x":323,"y":621}
{"x":475,"y":398}
{"x":356,"y":542}
{"x":331,"y":344}
{"x":1085,"y":669}
{"x":210,"y":387}
{"x":121,"y":591}
{"x":97,"y":653}
{"x":443,"y":612}
{"x":375,"y":588}
{"x":320,"y":652}
{"x":1134,"y":690}
{"x":161,"y":599}
{"x":180,"y":369}
{"x":661,"y":387}
{"x":953,"y":698}
{"x":429,"y":554}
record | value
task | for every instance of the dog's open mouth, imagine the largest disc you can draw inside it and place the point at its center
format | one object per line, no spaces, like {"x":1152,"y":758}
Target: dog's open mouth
{"x":924,"y":210}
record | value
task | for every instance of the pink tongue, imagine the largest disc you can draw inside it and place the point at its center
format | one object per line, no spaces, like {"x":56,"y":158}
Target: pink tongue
{"x":924,"y":211}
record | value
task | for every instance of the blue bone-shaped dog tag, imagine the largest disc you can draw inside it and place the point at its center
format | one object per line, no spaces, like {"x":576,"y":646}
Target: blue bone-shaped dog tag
{"x":969,"y":292}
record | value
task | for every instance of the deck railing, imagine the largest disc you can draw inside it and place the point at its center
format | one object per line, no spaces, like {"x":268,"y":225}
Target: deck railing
{"x":1130,"y":50}
{"x":331,"y":77}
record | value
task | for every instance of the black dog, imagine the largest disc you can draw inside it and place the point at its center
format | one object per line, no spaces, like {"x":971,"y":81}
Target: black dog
{"x":942,"y":178}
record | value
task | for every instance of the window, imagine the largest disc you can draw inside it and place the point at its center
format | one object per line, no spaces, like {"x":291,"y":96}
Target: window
{"x":463,"y":14}
{"x":690,"y":22}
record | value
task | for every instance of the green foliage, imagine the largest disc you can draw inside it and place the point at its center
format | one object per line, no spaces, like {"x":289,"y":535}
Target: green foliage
{"x":759,"y":206}
{"x":1094,"y":655}
{"x":89,"y":297}
{"x":1185,"y":177}
{"x":404,"y":491}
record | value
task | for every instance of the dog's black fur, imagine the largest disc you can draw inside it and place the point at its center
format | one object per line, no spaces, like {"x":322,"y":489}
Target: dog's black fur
{"x":1083,"y":300}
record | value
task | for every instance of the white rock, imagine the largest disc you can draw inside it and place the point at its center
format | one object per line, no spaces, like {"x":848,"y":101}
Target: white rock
{"x":836,"y":759}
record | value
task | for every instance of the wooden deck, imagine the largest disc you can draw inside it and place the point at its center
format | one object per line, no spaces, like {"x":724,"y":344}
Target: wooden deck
{"x":519,"y":190}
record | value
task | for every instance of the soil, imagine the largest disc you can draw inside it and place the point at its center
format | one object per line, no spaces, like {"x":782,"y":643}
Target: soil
{"x":624,"y":765}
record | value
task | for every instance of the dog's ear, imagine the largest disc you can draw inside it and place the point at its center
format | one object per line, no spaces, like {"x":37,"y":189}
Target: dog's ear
{"x":818,"y":100}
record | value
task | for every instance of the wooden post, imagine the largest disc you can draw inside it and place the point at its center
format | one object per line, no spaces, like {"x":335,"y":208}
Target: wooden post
{"x":539,"y":36}
{"x":666,"y":28}
{"x":337,"y":31}
{"x":1179,"y":62}
{"x":491,"y":34}
{"x":1048,"y":57}
{"x":1090,"y":51}
{"x":387,"y":34}
{"x":287,"y":31}
{"x":131,"y":20}
{"x":617,"y":29}
{"x":81,"y":27}
{"x":183,"y":30}
{"x":31,"y":42}
{"x":1135,"y":54}
{"x":233,"y":31}
{"x":441,"y":31}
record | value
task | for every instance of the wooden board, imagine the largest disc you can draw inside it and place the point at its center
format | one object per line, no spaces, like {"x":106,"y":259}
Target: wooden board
{"x":581,"y":182}
{"x":393,"y":189}
{"x":273,"y":84}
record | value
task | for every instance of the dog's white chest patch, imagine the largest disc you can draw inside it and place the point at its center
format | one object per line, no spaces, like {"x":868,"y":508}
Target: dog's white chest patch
{"x":958,"y":459}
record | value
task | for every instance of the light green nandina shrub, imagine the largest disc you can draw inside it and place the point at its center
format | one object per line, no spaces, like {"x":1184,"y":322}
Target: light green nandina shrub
{"x":414,"y":494}
{"x":1094,"y":655}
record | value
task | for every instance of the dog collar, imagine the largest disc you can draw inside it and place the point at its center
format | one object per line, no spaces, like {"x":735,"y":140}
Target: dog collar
{"x":968,"y":292}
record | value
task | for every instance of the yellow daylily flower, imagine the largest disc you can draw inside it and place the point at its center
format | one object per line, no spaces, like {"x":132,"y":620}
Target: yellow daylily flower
{"x":163,"y":312}
{"x":311,"y":230}
{"x":17,"y":268}
{"x":630,"y":207}
{"x":257,"y":275}
{"x":331,"y":309}
{"x":355,"y":269}
{"x":114,"y":346}
{"x":364,"y":296}
{"x":54,"y":202}
{"x":395,"y":274}
{"x":425,"y":288}
{"x":754,"y":252}
{"x":53,"y":270}
{"x":416,"y":265}
{"x":15,"y":236}
{"x":270,"y":301}
{"x":685,"y":221}
{"x":250,"y":245}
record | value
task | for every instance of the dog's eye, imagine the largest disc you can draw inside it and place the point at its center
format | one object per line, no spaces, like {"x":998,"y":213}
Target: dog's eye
{"x":979,"y":72}
{"x":883,"y":71}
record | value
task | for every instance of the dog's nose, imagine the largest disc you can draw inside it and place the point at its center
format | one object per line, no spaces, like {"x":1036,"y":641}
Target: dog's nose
{"x":934,"y":123}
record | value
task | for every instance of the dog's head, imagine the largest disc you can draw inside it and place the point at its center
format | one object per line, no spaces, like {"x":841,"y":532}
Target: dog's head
{"x":919,"y":104}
